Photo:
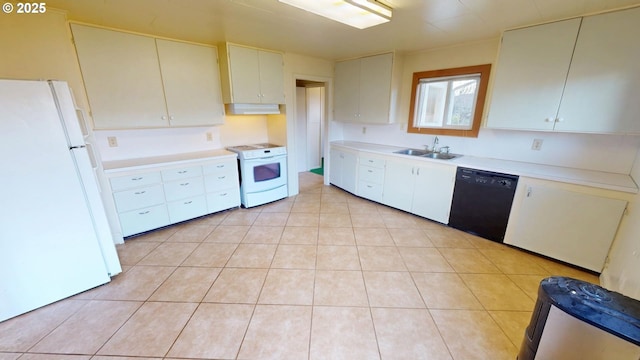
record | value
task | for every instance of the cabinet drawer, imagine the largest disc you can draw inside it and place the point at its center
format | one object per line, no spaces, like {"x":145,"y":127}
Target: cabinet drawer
{"x":371,"y":174}
{"x":186,"y":209}
{"x":217,"y":182}
{"x":227,"y":167}
{"x":372,"y":161}
{"x":370,"y":191}
{"x":222,"y":200}
{"x":183,"y":189}
{"x":137,"y":221}
{"x":138,"y":198}
{"x":181,"y":173}
{"x":133,"y":181}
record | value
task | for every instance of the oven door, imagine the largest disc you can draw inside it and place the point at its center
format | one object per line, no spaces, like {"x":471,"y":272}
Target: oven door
{"x":264,"y":173}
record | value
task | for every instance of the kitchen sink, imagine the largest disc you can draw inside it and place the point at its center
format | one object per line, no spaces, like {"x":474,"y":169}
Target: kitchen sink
{"x":441,"y":156}
{"x":414,"y":152}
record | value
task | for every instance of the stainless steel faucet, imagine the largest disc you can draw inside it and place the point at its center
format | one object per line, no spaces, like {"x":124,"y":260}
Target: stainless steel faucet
{"x":435,"y":142}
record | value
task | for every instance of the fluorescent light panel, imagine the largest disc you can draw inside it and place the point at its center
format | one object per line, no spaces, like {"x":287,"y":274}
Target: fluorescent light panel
{"x":360,"y":14}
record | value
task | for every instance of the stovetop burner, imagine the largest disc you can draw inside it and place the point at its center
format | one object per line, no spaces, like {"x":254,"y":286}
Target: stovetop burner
{"x":252,"y":147}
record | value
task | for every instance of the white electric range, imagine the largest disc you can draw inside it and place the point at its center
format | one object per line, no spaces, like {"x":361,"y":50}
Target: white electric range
{"x":263,"y":173}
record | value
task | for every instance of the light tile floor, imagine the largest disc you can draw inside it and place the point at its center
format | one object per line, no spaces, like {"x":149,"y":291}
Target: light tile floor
{"x":323,"y":275}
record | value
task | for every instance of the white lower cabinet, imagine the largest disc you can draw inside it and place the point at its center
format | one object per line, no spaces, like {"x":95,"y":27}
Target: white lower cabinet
{"x":421,"y":188}
{"x":163,"y":195}
{"x":574,"y":224}
{"x":370,"y":177}
{"x":343,"y":169}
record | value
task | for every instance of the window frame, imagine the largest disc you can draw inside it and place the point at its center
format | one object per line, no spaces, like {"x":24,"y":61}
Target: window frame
{"x":484,"y":71}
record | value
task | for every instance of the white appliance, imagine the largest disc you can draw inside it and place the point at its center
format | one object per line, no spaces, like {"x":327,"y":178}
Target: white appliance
{"x":263,"y":173}
{"x":576,"y":320}
{"x":55,"y":237}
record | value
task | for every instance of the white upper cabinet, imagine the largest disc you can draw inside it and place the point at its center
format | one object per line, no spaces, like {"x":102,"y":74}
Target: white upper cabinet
{"x":576,"y":75}
{"x":363,"y":89}
{"x":135,"y":81}
{"x":121,"y":74}
{"x":191,"y":83}
{"x":252,"y":76}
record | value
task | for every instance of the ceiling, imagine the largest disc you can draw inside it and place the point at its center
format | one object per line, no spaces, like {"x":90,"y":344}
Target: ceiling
{"x":416,"y":24}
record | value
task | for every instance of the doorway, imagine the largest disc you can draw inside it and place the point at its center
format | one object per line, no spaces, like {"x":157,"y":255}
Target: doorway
{"x":310,"y":118}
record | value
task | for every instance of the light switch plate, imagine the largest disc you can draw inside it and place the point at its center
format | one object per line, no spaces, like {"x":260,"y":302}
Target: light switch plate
{"x":113,"y":141}
{"x":537,"y":144}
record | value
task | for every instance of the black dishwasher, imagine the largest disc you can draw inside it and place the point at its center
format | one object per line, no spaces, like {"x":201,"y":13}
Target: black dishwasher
{"x":482,"y":202}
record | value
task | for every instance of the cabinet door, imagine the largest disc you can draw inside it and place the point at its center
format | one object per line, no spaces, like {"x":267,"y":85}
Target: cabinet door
{"x":567,"y":225}
{"x":349,"y":171}
{"x":399,"y":180}
{"x":530,"y":75}
{"x":375,"y":88}
{"x":245,"y":74}
{"x":122,"y":78}
{"x":271,"y":77}
{"x":434,"y":191}
{"x":335,"y":167}
{"x":601,"y":91}
{"x":346,"y":91}
{"x":191,"y":79}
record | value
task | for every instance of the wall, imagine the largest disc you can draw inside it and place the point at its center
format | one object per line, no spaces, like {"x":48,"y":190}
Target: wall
{"x":584,"y":151}
{"x":622,"y":273}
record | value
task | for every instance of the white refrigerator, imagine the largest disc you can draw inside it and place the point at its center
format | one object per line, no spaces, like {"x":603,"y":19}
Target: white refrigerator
{"x":55,"y":235}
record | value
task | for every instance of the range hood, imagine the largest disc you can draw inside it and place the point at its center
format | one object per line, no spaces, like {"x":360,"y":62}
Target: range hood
{"x":252,"y":109}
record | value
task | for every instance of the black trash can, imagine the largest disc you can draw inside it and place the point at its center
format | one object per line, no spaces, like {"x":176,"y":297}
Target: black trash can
{"x":573,"y":319}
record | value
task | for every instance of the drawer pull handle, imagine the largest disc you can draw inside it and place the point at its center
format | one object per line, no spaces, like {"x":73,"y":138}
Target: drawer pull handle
{"x":225,"y":194}
{"x":221,"y":177}
{"x":369,"y":186}
{"x":184,"y":184}
{"x":370,"y":161}
{"x":140,"y":192}
{"x":370,"y":171}
{"x":220,"y":166}
{"x":143,"y":213}
{"x":136,"y":178}
{"x":183,"y":172}
{"x":188,"y":202}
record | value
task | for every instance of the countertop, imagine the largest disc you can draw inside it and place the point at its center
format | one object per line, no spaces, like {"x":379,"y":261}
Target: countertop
{"x":165,"y":160}
{"x":597,"y":179}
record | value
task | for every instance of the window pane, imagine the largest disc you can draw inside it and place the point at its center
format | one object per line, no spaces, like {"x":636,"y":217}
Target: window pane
{"x":431,"y":107}
{"x":463,"y":102}
{"x":447,"y":103}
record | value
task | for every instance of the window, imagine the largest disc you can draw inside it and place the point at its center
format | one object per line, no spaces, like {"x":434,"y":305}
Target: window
{"x":449,"y":101}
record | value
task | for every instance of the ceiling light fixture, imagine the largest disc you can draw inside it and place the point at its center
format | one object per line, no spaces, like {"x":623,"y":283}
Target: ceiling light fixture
{"x":360,"y":14}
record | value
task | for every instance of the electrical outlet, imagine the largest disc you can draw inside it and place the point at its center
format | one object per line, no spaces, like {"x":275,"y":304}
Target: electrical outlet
{"x":209,"y":136}
{"x":113,"y":141}
{"x":537,"y":144}
{"x":364,"y":129}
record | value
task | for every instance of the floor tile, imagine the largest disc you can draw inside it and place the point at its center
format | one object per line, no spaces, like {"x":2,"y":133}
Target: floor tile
{"x":528,"y":283}
{"x":272,"y":219}
{"x":473,"y":335}
{"x":241,"y":286}
{"x":367,"y":220}
{"x":424,"y":259}
{"x":408,"y":334}
{"x":228,"y":234}
{"x":151,"y":330}
{"x":191,"y":233}
{"x":468,"y":261}
{"x":497,"y":292}
{"x":340,"y":288}
{"x":9,"y":356}
{"x":333,"y":198}
{"x":330,"y":206}
{"x":381,"y":258}
{"x":558,"y":269}
{"x":295,"y":257}
{"x":186,"y":284}
{"x":444,"y":237}
{"x":158,"y":235}
{"x":283,"y":206}
{"x":210,"y":255}
{"x":306,"y":206}
{"x":410,"y":237}
{"x":392,"y":289}
{"x":445,"y":291}
{"x":303,"y":219}
{"x":22,"y":332}
{"x":300,"y":235}
{"x":400,"y":221}
{"x":288,"y":287}
{"x":334,"y":220}
{"x":373,"y":237}
{"x":169,"y":254}
{"x":342,"y":333}
{"x":241,"y":217}
{"x":513,"y":323}
{"x":338,"y":258}
{"x":336,"y":236}
{"x":511,"y":261}
{"x":263,"y":235}
{"x":133,"y":251}
{"x":214,"y":331}
{"x":278,"y":333}
{"x":88,"y":329}
{"x":54,"y":357}
{"x":252,"y":256}
{"x":137,"y":284}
